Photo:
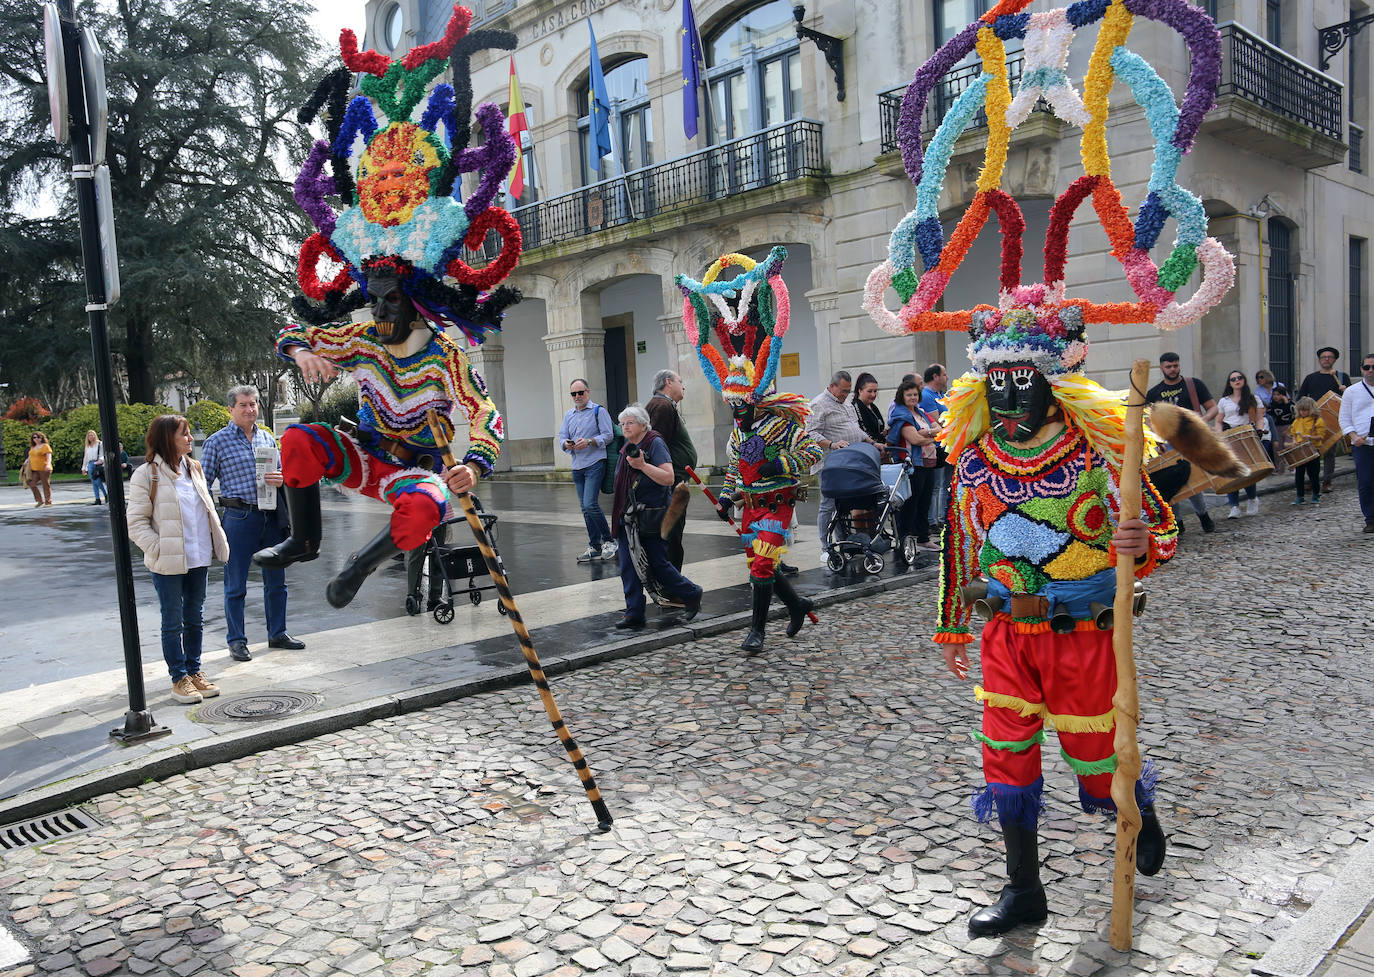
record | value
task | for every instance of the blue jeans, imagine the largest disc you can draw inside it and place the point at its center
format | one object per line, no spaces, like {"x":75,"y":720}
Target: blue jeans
{"x":588,"y":484}
{"x":670,"y":582}
{"x":1251,"y":492}
{"x":248,"y":531}
{"x":97,"y":484}
{"x":182,"y":598}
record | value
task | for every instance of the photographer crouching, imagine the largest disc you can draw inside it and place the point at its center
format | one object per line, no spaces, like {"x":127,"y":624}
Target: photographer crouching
{"x":643,"y":479}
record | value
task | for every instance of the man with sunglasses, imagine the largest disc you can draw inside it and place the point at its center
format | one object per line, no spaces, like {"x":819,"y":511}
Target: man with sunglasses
{"x":1357,"y":420}
{"x":584,"y":434}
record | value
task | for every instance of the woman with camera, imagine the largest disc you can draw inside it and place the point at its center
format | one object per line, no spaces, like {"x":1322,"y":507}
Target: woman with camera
{"x":643,"y":479}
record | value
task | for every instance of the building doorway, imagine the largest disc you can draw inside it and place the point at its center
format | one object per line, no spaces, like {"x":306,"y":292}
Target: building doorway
{"x":619,"y":363}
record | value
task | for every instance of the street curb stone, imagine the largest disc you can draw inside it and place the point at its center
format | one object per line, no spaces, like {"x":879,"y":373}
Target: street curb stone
{"x":1301,"y":950}
{"x":284,"y":732}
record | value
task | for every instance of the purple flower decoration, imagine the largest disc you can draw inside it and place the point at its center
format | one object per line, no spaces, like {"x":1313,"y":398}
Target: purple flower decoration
{"x":752,"y":450}
{"x":313,"y":185}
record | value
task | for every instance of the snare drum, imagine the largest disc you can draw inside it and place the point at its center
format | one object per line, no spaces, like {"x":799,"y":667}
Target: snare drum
{"x":1329,"y":410}
{"x":1299,"y":453}
{"x":1244,"y":442}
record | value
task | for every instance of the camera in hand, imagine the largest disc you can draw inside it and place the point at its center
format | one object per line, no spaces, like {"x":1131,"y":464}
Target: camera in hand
{"x":631,"y":450}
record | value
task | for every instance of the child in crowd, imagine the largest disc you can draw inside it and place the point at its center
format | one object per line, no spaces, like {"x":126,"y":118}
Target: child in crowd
{"x":1308,"y":426}
{"x":1280,"y":413}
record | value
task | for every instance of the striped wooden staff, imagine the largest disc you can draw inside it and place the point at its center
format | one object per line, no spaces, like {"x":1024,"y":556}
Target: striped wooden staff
{"x":541,"y":682}
{"x":1127,"y":699}
{"x":710,"y":497}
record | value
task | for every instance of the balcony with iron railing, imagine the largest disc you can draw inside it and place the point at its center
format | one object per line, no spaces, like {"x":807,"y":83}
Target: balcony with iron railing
{"x":781,"y":163}
{"x":1270,"y":102}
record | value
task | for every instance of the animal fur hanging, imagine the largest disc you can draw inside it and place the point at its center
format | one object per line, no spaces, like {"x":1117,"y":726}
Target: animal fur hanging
{"x":1195,"y":440}
{"x":677,"y":507}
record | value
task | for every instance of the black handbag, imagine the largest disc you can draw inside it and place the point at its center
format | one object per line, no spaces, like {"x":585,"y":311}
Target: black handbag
{"x":98,"y":471}
{"x":648,"y":520}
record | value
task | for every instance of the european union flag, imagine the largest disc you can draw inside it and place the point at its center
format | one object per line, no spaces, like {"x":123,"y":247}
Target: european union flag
{"x":693,"y":64}
{"x":599,"y":130}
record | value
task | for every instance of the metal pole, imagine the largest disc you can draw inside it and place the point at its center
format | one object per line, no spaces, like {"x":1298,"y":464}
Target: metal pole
{"x":138,"y":720}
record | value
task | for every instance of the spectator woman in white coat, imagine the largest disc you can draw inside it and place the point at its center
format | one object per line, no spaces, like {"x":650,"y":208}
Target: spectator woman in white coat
{"x":173,"y":521}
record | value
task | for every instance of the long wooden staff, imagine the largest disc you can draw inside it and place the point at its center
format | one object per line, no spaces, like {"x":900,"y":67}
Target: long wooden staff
{"x":603,"y":814}
{"x":731,"y":519}
{"x":1127,"y":701}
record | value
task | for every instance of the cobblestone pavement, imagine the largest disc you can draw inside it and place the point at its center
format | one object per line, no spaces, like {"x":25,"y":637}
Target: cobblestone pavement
{"x":804,"y":812}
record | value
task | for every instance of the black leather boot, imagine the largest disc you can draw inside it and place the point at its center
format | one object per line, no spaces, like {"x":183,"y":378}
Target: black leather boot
{"x":343,"y":588}
{"x":303,"y":545}
{"x":763,"y":596}
{"x":1149,"y":844}
{"x":797,"y":606}
{"x":1023,"y":899}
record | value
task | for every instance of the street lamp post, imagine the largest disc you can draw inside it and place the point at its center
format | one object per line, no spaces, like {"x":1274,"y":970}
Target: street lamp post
{"x":76,"y":59}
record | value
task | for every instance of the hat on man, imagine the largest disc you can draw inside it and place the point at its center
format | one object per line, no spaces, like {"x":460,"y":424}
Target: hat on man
{"x":1330,"y":349}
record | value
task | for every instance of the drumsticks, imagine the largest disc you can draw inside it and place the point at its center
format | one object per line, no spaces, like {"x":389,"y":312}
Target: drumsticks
{"x":603,"y":814}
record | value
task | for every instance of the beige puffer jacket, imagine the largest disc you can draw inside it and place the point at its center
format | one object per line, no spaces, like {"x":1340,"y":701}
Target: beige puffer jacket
{"x":156,"y":529}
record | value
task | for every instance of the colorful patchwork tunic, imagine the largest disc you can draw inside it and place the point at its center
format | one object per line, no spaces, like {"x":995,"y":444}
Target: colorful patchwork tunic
{"x":393,"y":456}
{"x":1040,"y":521}
{"x":768,"y":502}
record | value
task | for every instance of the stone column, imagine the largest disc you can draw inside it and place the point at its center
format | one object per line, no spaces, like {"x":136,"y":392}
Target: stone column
{"x":576,"y":344}
{"x":489,"y":361}
{"x":829,"y":342}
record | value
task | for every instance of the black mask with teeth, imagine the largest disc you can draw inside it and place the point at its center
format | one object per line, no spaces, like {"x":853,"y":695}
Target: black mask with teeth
{"x":392,"y":310}
{"x":1020,"y":399}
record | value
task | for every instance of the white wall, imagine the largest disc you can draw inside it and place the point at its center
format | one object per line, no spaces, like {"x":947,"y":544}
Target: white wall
{"x":529,"y":377}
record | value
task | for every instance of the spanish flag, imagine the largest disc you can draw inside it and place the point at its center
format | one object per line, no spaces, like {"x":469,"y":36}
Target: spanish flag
{"x":515,"y":118}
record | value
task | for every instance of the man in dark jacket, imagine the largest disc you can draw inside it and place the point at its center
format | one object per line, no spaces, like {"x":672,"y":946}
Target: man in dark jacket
{"x":667,"y":422}
{"x":1327,"y":380}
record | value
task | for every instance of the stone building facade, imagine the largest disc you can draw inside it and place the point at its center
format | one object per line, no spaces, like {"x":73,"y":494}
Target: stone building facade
{"x":783,"y":159}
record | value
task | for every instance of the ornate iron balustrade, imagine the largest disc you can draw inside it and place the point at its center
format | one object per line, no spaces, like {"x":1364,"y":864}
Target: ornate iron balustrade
{"x":780,"y":154}
{"x":1356,"y":149}
{"x":940,"y":101}
{"x":1258,"y":72}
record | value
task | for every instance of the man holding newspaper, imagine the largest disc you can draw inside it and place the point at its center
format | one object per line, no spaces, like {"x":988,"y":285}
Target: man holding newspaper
{"x":245,"y":460}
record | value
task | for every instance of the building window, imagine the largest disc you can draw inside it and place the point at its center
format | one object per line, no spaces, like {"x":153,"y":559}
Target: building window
{"x":1273,"y":22}
{"x":1281,"y":299}
{"x":754,"y":73}
{"x":632,"y":125}
{"x":1357,"y":298}
{"x":1211,"y":7}
{"x":393,"y":25}
{"x":952,"y":16}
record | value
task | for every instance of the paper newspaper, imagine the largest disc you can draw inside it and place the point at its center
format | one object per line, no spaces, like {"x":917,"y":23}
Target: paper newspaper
{"x":266,"y":459}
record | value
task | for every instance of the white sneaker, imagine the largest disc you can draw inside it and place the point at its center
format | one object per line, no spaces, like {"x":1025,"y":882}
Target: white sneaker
{"x":1234,"y":513}
{"x":1252,"y":507}
{"x":590,"y":554}
{"x":609,"y":549}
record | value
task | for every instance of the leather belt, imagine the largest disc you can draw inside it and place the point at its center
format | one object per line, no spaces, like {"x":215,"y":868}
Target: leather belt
{"x":230,"y":503}
{"x":770,"y":500}
{"x":1029,"y":605}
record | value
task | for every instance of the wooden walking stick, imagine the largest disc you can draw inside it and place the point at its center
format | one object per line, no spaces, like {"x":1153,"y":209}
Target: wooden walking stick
{"x":541,"y":682}
{"x":731,"y":519}
{"x":1127,"y":700}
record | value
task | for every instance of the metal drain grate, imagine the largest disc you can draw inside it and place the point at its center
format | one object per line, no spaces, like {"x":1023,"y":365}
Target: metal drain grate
{"x":256,"y":707}
{"x":51,"y":827}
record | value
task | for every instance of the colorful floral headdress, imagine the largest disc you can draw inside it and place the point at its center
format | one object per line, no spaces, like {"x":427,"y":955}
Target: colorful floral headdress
{"x":1038,"y":322}
{"x":749,"y":315}
{"x":398,"y":193}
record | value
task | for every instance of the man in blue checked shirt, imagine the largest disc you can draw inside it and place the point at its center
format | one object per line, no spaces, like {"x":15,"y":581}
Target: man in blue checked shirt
{"x":228,"y":457}
{"x":584,"y":434}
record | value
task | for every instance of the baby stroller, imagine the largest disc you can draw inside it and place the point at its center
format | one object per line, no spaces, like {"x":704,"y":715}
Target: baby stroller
{"x":448,"y":566}
{"x":868,"y":497}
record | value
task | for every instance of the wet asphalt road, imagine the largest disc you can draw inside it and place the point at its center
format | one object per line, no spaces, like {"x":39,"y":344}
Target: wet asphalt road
{"x":59,"y":618}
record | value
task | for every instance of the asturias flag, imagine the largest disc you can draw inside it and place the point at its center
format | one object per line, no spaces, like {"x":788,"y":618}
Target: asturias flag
{"x":515,"y":118}
{"x":599,"y":111}
{"x":693,"y":65}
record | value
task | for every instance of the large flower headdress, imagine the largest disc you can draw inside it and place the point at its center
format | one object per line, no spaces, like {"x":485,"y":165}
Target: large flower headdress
{"x":401,"y":208}
{"x":748,"y":315}
{"x":1038,"y":322}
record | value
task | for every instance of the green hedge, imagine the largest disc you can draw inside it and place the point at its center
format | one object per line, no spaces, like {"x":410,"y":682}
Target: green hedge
{"x":67,"y":433}
{"x":208,"y":415}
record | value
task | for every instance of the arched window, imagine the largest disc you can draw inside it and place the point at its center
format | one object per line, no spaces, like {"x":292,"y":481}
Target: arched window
{"x":632,"y":128}
{"x":753,"y":68}
{"x":1282,"y":299}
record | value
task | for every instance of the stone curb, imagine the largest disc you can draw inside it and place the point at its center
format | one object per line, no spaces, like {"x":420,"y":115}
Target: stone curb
{"x":285,"y":732}
{"x":1319,"y":931}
